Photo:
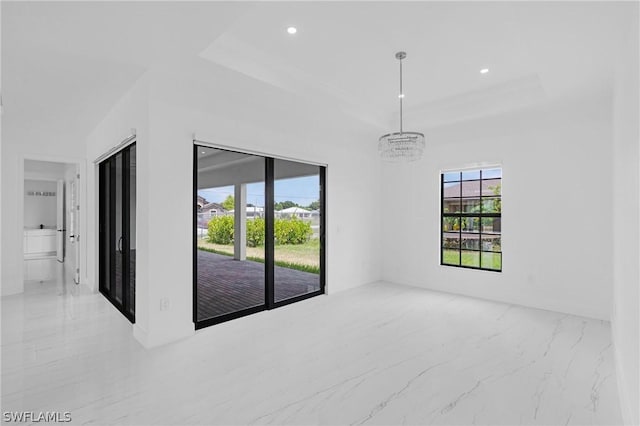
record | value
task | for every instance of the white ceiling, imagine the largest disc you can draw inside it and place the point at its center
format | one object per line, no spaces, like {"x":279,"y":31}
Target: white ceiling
{"x":65,"y":64}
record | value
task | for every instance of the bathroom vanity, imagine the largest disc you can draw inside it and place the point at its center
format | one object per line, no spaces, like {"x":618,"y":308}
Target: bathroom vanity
{"x":39,"y":242}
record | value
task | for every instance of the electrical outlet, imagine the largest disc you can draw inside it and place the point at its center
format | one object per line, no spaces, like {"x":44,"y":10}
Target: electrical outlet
{"x":164,"y":304}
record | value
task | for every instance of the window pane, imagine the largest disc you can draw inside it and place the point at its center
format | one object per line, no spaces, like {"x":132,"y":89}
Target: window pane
{"x":451,"y":190}
{"x":470,"y":224}
{"x":491,"y":243}
{"x":491,"y":173}
{"x":491,"y":187}
{"x":451,"y":240}
{"x":473,"y":193}
{"x":296,"y":228}
{"x":132,"y":229}
{"x":451,"y":176}
{"x":105,"y":222}
{"x":450,"y":223}
{"x":471,"y":205}
{"x":118,"y":250}
{"x":471,"y":258}
{"x":471,"y":188}
{"x":451,"y":257}
{"x":492,"y":261}
{"x":470,"y":241}
{"x":451,"y":205}
{"x":491,"y":205}
{"x":471,"y":174}
{"x":230,"y":267}
{"x":491,"y":224}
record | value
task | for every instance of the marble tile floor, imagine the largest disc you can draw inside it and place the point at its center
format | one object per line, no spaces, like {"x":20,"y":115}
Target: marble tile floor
{"x":378,"y":354}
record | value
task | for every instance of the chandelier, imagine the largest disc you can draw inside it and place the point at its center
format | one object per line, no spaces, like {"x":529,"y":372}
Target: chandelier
{"x":401,"y":146}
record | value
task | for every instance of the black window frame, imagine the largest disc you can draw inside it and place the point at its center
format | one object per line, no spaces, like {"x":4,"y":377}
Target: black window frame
{"x":460,"y":215}
{"x":269,"y":180}
{"x":106,"y":236}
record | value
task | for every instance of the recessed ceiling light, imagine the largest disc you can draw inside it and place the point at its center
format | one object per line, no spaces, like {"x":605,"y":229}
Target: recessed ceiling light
{"x":292,"y":30}
{"x":203,"y":152}
{"x":484,"y":70}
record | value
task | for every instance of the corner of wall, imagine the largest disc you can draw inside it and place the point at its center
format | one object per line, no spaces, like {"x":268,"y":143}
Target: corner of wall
{"x":152,"y":340}
{"x":626,"y":218}
{"x":623,"y":395}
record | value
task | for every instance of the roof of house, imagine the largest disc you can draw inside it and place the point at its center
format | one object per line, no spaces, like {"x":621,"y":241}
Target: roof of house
{"x":251,"y":209}
{"x":213,"y":206}
{"x":471,"y":188}
{"x":294,"y":210}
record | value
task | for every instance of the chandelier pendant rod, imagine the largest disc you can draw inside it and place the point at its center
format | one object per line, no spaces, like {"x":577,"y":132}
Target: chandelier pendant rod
{"x":401,"y":146}
{"x":401,"y":95}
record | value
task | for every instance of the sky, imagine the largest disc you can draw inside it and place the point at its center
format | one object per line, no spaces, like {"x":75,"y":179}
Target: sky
{"x":472,"y":174}
{"x":302,"y":190}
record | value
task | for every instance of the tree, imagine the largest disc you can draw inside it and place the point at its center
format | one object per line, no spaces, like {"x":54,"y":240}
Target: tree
{"x":314,"y":206}
{"x":281,"y":205}
{"x":497,"y":190}
{"x":229,"y":203}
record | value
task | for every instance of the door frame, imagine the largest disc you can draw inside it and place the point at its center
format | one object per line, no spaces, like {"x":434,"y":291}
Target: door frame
{"x":125,"y":305}
{"x":61,"y":230}
{"x":269,"y":180}
{"x":81,"y":169}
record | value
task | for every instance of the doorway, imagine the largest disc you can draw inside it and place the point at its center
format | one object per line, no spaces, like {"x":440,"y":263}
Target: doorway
{"x":258,"y":233}
{"x":50,"y":221}
{"x":117,"y":230}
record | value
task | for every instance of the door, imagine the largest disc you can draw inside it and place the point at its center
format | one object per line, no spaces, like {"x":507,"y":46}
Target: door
{"x":258,"y":233}
{"x":229,"y":268}
{"x":117,"y":241}
{"x":60,"y":235}
{"x":73,"y":217}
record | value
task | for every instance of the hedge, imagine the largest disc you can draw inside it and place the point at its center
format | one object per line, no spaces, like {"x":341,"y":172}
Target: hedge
{"x":292,"y":231}
{"x":287,"y":231}
{"x":220,"y":230}
{"x":255,"y":232}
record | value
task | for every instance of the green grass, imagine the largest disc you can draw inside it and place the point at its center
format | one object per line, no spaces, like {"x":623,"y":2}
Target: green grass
{"x":470,"y":258}
{"x":290,"y":265}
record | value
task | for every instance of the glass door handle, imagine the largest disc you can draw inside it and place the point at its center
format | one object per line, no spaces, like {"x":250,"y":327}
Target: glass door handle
{"x":120,"y":244}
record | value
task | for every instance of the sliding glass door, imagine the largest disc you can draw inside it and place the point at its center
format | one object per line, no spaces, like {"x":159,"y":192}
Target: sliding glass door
{"x":117,"y":242}
{"x":230,"y":223}
{"x":258,"y":233}
{"x":297,"y":226}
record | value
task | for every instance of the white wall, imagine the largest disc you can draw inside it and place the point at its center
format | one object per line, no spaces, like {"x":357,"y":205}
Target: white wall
{"x":203,"y":100}
{"x":199,"y":99}
{"x":556,"y":224}
{"x":40,"y":210}
{"x":130,"y":112}
{"x":626,"y":253}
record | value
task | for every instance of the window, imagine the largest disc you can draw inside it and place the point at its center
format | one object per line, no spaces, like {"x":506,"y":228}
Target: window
{"x":471,"y":206}
{"x":248,"y":256}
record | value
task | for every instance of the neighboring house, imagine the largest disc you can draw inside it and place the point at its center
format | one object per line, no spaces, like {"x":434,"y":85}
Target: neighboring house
{"x":470,"y":193}
{"x":201,"y":202}
{"x":294,"y":211}
{"x":252,"y":211}
{"x":213,"y":210}
{"x":208,"y":210}
{"x":465,"y":197}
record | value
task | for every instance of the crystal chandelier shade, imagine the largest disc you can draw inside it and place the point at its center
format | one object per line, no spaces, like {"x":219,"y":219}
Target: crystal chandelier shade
{"x":401,"y":146}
